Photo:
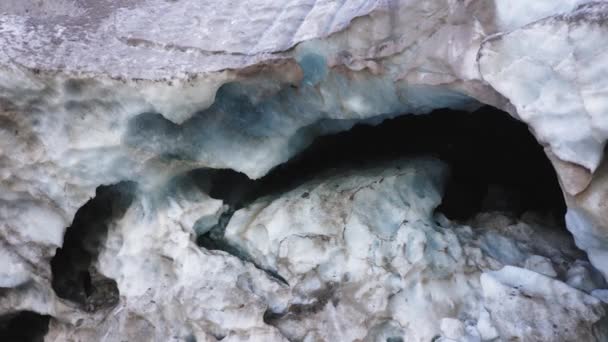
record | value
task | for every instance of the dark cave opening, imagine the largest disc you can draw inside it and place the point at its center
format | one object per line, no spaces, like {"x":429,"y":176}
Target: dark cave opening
{"x":23,"y":326}
{"x":496,"y":165}
{"x":495,"y":162}
{"x":74,"y":274}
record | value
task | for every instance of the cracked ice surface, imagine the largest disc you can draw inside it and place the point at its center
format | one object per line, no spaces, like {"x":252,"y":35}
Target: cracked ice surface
{"x":365,"y":258}
{"x":97,"y":92}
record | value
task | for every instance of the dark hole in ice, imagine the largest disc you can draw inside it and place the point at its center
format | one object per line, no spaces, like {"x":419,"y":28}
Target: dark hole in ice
{"x":74,"y":276}
{"x":24,"y":326}
{"x":496,"y":163}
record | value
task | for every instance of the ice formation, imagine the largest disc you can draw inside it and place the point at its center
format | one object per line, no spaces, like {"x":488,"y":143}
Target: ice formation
{"x":366,"y":259}
{"x":127,"y":97}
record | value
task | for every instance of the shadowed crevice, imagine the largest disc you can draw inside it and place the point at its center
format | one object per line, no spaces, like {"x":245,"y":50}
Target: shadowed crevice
{"x":74,"y":275}
{"x":214,"y":240}
{"x":23,"y":326}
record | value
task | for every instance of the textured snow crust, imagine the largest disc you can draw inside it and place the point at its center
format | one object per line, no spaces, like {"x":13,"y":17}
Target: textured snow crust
{"x":366,"y":257}
{"x":96,"y":92}
{"x":554,"y":72}
{"x":360,"y":255}
{"x":107,"y":36}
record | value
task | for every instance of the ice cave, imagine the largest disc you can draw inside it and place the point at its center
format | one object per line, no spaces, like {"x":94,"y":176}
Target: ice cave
{"x":304,"y":170}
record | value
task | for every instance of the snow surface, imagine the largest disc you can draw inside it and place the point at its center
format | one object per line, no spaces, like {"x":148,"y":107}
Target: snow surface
{"x":364,"y":257}
{"x":363,"y":249}
{"x":97,"y":91}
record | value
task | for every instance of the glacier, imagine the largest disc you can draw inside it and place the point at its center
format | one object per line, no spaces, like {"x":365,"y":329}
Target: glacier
{"x":100,"y":93}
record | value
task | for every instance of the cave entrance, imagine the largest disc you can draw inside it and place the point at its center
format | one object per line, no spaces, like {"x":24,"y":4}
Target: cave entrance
{"x":496,"y":163}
